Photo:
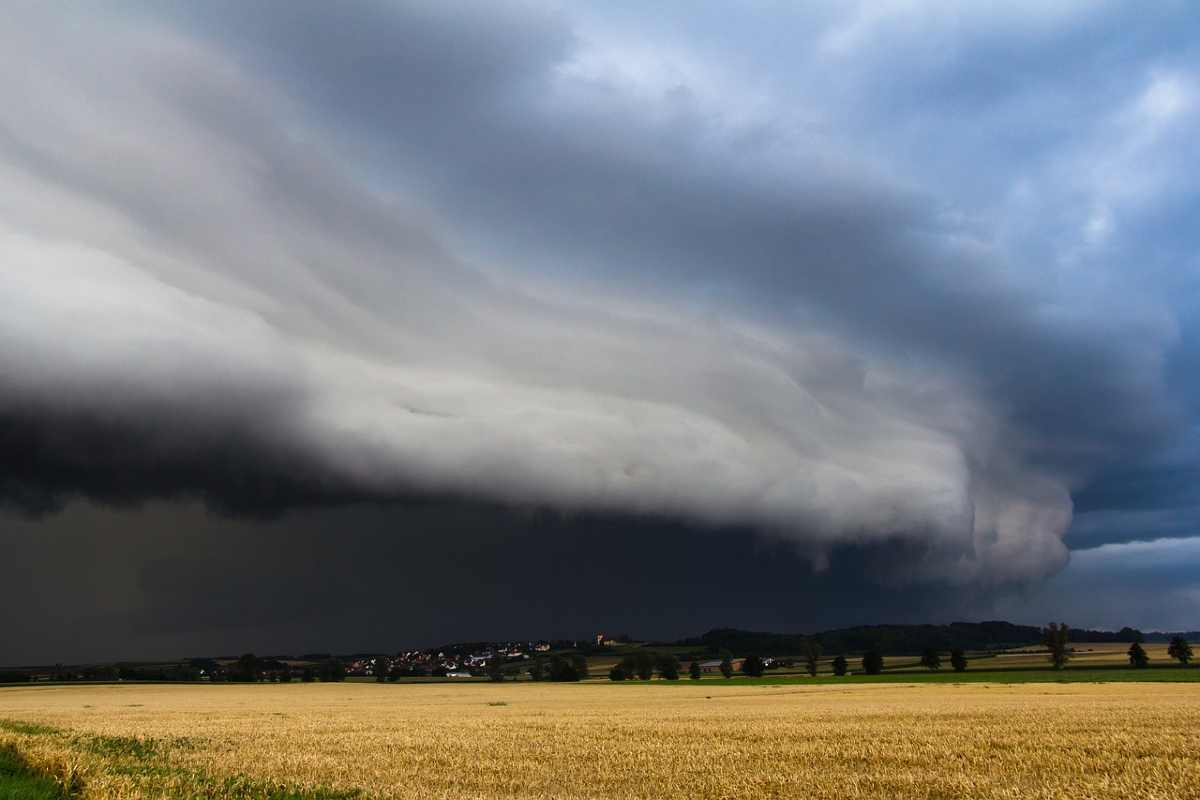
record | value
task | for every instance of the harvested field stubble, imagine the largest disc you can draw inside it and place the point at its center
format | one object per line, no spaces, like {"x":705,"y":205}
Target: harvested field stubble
{"x":585,"y":741}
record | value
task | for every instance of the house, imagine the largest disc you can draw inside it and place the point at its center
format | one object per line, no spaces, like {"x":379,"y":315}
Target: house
{"x":715,"y":665}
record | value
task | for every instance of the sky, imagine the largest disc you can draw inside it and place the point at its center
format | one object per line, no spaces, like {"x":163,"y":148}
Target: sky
{"x":398,"y":323}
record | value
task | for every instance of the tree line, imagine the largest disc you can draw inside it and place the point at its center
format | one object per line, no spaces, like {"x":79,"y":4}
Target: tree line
{"x":251,"y":669}
{"x":645,"y":665}
{"x":1056,"y":637}
{"x":912,"y":639}
{"x":558,"y":668}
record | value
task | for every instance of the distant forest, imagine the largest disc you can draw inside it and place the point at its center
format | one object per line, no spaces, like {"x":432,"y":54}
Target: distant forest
{"x":910,"y":639}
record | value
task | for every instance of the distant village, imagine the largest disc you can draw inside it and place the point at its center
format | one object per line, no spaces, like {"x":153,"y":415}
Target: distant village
{"x":453,"y":661}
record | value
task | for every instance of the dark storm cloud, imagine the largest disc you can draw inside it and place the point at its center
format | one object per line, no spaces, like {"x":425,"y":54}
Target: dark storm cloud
{"x":1156,"y":498}
{"x":232,"y":464}
{"x":271,"y":256}
{"x":841,"y":245}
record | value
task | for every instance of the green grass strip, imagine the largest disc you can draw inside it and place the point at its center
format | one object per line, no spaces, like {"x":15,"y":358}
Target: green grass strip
{"x":145,"y":760}
{"x":27,"y":728}
{"x":1079,"y":675}
{"x":19,"y":782}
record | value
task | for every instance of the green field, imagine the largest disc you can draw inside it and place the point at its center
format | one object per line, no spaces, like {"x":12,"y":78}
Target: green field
{"x":19,"y":782}
{"x":1089,"y":663}
{"x":1078,"y":675}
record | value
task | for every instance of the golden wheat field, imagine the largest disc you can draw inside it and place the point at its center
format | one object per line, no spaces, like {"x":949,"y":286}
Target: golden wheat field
{"x":603,"y":741}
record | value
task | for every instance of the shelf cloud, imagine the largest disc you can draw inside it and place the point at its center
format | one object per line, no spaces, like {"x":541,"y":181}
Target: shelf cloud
{"x":273,"y":258}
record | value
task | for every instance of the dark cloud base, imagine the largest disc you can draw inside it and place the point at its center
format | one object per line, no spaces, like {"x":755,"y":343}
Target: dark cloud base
{"x":53,"y":457}
{"x":170,"y":581}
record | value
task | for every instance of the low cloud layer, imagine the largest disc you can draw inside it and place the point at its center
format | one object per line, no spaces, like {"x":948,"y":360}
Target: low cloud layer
{"x":270,"y":257}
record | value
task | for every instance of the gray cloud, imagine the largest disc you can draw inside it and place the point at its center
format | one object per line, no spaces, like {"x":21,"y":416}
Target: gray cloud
{"x":267,"y":257}
{"x":1145,"y":500}
{"x":1148,"y":584}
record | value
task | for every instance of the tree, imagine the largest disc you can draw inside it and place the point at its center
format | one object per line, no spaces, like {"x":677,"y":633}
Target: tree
{"x":537,"y":670}
{"x":495,"y":669}
{"x":668,"y":666}
{"x":958,"y":660}
{"x":308,"y":675}
{"x":872,"y":662}
{"x":1128,"y":634}
{"x":285,"y":674}
{"x":1137,"y":656}
{"x":1180,"y":650}
{"x":812,"y":653}
{"x":931,"y":659}
{"x":839,"y":666}
{"x":380,"y":668}
{"x":1054,"y":637}
{"x":726,"y":663}
{"x":563,"y":668}
{"x":694,"y":670}
{"x":332,"y":671}
{"x":643,"y":665}
{"x":752,"y":666}
{"x":247,"y":669}
{"x":617,"y":673}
